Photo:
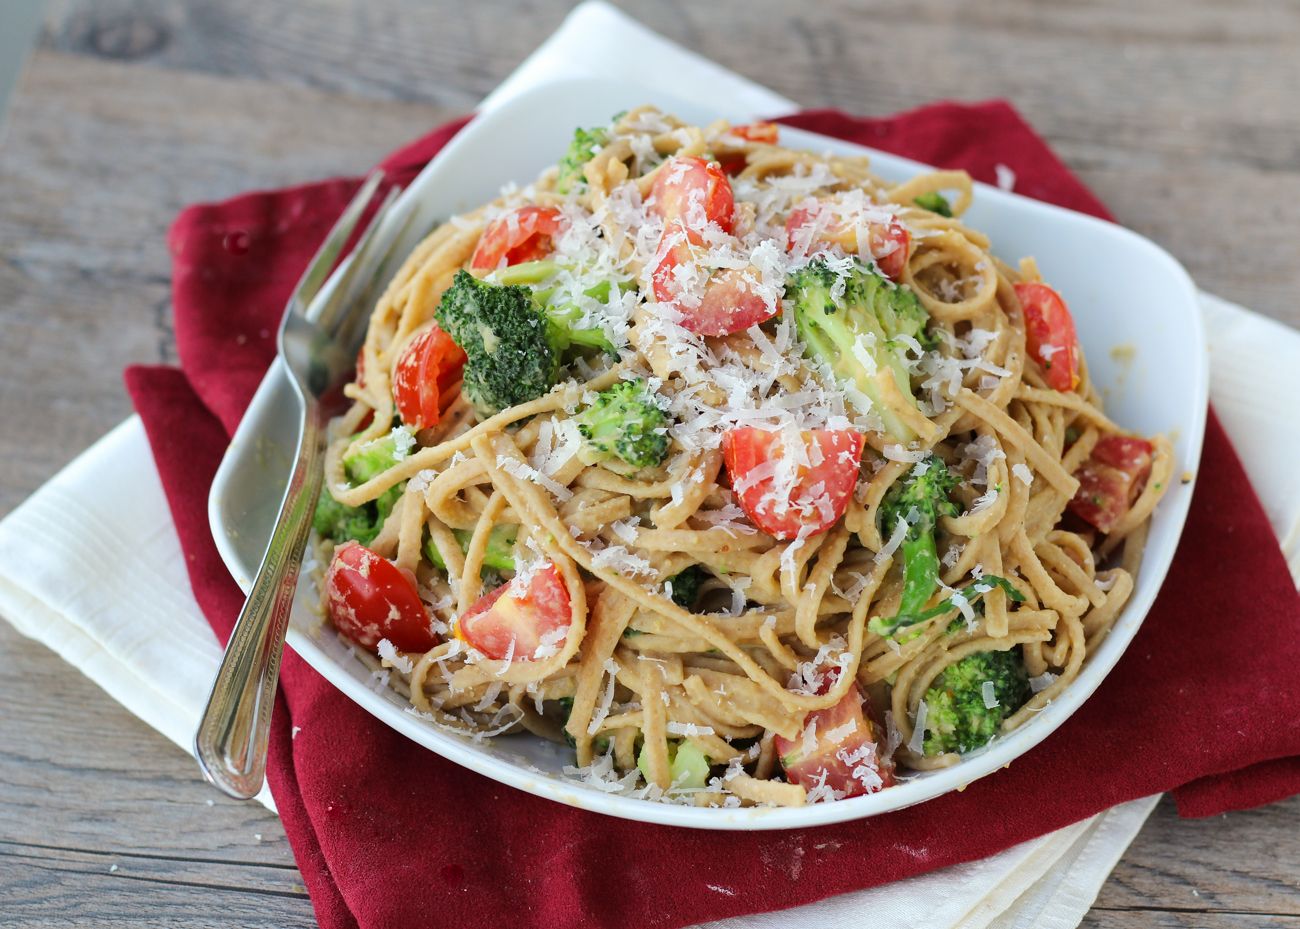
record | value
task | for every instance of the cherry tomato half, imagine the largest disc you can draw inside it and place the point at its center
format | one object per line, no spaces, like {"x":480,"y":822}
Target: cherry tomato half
{"x":842,"y":752}
{"x":525,"y":234}
{"x":888,"y":243}
{"x":764,"y":132}
{"x":728,"y":304}
{"x":692,"y":193}
{"x":516,"y":622}
{"x":427,"y":369}
{"x":369,"y":598}
{"x":1050,"y":336}
{"x":783,"y":495}
{"x":767,"y":133}
{"x":1111,"y":479}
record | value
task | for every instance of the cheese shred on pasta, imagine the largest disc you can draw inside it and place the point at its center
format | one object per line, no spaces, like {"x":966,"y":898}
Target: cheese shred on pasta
{"x":781,"y":630}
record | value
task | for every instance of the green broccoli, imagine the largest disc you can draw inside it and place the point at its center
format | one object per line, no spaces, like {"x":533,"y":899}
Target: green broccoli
{"x":340,"y":522}
{"x":600,"y":744}
{"x":935,"y":202}
{"x":686,"y":586}
{"x":514,"y":345}
{"x":585,"y":144}
{"x":561,"y":315}
{"x":958,"y":718}
{"x":500,"y":553}
{"x":969,"y":594}
{"x":624,"y":422}
{"x":919,"y":499}
{"x":688,"y":766}
{"x":862,"y":333}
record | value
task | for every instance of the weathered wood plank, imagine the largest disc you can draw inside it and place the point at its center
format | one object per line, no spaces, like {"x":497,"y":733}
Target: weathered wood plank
{"x":100,"y":157}
{"x":102,"y":819}
{"x":1160,"y":918}
{"x":1181,"y":115}
{"x":1247,"y":862}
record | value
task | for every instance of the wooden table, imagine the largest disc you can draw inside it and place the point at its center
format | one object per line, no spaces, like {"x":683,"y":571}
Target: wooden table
{"x":1182,"y":116}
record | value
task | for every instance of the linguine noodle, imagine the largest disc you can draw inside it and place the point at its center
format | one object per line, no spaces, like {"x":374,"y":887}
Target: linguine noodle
{"x":782,"y":628}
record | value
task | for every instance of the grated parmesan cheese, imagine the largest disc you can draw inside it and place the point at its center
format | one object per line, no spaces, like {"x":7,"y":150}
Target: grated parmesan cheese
{"x":916,"y":744}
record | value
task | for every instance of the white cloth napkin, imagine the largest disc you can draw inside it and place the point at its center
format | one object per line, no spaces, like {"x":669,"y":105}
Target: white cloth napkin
{"x":90,"y":565}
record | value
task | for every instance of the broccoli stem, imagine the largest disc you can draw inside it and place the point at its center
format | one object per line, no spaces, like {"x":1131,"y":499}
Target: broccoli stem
{"x":920,"y":572}
{"x":499,"y":555}
{"x":970,"y":593}
{"x":935,"y":202}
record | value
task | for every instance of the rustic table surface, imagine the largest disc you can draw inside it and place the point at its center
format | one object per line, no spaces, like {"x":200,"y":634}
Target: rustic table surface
{"x":1183,"y":116}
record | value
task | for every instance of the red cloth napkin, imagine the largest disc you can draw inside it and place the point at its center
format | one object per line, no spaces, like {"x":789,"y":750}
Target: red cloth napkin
{"x":387,"y":833}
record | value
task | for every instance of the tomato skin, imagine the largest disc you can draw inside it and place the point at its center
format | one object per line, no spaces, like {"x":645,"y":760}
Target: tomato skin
{"x":890,"y":244}
{"x":690,"y":193}
{"x":369,"y":598}
{"x":820,"y":491}
{"x":851,"y":764}
{"x":505,"y":616}
{"x":525,"y":234}
{"x":764,"y":132}
{"x":427,"y":369}
{"x":1111,"y":479}
{"x":728,"y":304}
{"x":1048,"y":323}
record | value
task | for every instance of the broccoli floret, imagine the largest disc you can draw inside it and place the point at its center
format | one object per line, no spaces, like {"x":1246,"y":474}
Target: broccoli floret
{"x":585,"y":144}
{"x":919,"y":500}
{"x":624,"y":422}
{"x":957,"y":719}
{"x":686,"y":586}
{"x":340,"y":522}
{"x":561,"y":315}
{"x":500,"y":553}
{"x":515,"y":346}
{"x":935,"y":202}
{"x":861,"y":334}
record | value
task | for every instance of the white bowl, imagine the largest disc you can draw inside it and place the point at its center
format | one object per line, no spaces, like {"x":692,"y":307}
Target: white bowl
{"x":1123,"y":289}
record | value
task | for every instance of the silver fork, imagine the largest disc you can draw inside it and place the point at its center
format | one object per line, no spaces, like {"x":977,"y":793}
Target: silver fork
{"x":319,"y":353}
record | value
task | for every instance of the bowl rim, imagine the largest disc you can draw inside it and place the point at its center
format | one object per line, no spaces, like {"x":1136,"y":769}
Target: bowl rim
{"x":909,"y":791}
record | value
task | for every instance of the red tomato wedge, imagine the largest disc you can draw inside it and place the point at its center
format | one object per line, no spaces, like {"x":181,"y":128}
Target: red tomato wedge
{"x":728,"y":303}
{"x":428,"y":368}
{"x":767,"y":133}
{"x":516,"y":623}
{"x":888,"y":243}
{"x":1111,"y":479}
{"x":764,"y":132}
{"x":1050,"y":336}
{"x":525,"y":234}
{"x":838,"y":749}
{"x":790,"y":493}
{"x":369,"y":598}
{"x":691,"y":193}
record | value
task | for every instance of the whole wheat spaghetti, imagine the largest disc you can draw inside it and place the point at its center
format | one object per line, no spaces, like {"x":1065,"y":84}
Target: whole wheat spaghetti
{"x":758,"y":479}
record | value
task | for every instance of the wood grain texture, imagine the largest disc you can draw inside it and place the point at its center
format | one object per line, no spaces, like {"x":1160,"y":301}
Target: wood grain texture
{"x":1181,"y":115}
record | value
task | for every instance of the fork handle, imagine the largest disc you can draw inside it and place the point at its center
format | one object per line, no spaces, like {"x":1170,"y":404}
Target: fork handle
{"x":231,"y":742}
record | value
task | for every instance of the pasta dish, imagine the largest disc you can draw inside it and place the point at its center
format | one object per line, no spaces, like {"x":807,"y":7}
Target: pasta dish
{"x":750,"y":476}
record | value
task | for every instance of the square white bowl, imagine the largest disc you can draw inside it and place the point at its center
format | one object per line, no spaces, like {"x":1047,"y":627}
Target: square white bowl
{"x":1124,"y":291}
